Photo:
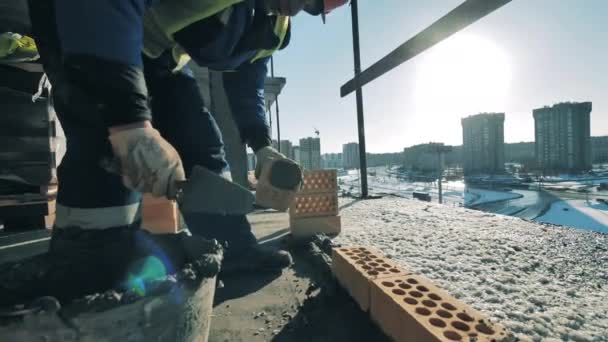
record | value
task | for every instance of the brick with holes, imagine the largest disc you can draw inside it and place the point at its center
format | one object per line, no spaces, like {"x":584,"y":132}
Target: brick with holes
{"x":311,"y":205}
{"x":320,"y":181}
{"x":355,"y":268}
{"x":411,"y":308}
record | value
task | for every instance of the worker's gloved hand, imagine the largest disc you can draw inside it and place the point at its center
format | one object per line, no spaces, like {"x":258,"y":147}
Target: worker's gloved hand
{"x":279,"y":178}
{"x":265,"y":156}
{"x":148,"y":163}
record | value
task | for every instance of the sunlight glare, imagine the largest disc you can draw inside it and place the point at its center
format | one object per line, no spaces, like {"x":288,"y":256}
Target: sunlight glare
{"x":462,"y":76}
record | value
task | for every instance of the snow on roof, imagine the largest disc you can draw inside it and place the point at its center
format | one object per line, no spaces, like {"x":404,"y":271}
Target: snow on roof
{"x":543,"y":282}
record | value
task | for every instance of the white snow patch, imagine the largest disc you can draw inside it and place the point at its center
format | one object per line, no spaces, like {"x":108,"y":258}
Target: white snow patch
{"x":545,"y":283}
{"x":578,"y":213}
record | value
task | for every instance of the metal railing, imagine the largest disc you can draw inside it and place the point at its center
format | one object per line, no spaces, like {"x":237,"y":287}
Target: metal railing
{"x":460,"y":17}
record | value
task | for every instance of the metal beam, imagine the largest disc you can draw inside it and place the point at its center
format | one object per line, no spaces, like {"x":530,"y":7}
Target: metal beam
{"x":360,"y":118}
{"x":462,"y":16}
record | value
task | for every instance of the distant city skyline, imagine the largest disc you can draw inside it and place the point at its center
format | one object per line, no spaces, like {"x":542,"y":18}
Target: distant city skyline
{"x":526,"y":55}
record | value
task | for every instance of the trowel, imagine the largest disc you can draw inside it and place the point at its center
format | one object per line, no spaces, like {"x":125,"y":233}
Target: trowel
{"x":207,"y":192}
{"x":204,"y":192}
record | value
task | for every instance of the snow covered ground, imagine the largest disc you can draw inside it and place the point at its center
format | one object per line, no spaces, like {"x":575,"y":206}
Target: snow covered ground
{"x":545,"y":283}
{"x":480,"y":196}
{"x":453,"y":192}
{"x":578,"y":213}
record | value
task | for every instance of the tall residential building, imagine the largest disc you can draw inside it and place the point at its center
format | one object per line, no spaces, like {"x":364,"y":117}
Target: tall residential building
{"x":483,"y":143}
{"x":332,"y":160}
{"x":287,"y":148}
{"x":599,"y":149}
{"x":310,"y":153}
{"x":350,"y":156}
{"x":296,"y":153}
{"x":563,"y":137}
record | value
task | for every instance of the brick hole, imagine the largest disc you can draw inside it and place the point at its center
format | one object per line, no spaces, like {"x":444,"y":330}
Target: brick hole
{"x":412,"y":281}
{"x":423,"y":311}
{"x":422,"y":288}
{"x":434,"y":296}
{"x":354,"y":257}
{"x":444,"y":314}
{"x":484,"y":329}
{"x":386,"y":265}
{"x":360,"y":262}
{"x":415,"y":294}
{"x":394,"y":270}
{"x":429,"y":303}
{"x":388,"y":284}
{"x":380,"y":269}
{"x":362,"y":249}
{"x":461,"y":326}
{"x":465,"y":317}
{"x":405,"y":286}
{"x":452,"y":335}
{"x":399,"y":292}
{"x":448,"y":306}
{"x":344,"y":249}
{"x":372,"y":273}
{"x":410,"y":301}
{"x":398,"y":281}
{"x":473,"y":335}
{"x":365,"y":267}
{"x":437,"y":322}
{"x":373,"y":264}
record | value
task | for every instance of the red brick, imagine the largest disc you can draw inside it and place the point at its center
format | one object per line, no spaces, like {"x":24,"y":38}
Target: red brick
{"x":320,"y":181}
{"x":311,"y":205}
{"x":412,"y":308}
{"x":160,"y":215}
{"x":356,"y":267}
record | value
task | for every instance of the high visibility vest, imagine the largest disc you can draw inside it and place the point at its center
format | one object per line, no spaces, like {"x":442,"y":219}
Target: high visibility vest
{"x":163,"y":20}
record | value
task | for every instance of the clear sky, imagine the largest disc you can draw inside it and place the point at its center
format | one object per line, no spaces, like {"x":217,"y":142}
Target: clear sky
{"x":526,"y":55}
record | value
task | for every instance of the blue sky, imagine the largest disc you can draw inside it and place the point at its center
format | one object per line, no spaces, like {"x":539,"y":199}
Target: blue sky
{"x":528,"y":54}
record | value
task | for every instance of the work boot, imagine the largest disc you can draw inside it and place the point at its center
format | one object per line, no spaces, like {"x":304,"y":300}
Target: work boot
{"x":256,"y":258}
{"x":242,"y":252}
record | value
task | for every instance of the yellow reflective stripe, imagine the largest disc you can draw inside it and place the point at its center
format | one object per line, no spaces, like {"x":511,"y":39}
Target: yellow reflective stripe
{"x":161,"y":21}
{"x":280,"y":29}
{"x":176,"y":15}
{"x":181,"y":57}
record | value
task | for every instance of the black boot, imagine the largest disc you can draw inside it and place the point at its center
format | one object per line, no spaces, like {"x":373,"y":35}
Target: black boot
{"x":242,"y":252}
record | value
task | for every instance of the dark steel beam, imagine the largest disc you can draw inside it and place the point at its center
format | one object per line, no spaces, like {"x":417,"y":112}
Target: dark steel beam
{"x":462,"y":16}
{"x":359,"y":92}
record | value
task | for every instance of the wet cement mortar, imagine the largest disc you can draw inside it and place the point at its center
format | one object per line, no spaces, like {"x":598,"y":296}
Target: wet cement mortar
{"x":543,"y":282}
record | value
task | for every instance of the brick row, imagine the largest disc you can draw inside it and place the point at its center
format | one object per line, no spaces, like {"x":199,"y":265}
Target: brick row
{"x":311,"y":205}
{"x":406,"y":306}
{"x":320,"y":181}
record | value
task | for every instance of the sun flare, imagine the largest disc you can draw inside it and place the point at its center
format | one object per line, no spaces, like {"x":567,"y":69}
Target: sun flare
{"x":461,"y":76}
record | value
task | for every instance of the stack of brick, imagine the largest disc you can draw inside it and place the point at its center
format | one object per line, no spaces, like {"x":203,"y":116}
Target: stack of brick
{"x":28,"y":154}
{"x":314,"y":210}
{"x":406,"y":306}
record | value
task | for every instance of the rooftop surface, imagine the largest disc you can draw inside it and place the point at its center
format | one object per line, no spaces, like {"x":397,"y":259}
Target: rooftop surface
{"x":543,"y":282}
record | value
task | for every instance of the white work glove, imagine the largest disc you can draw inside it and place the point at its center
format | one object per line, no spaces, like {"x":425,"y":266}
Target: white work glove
{"x":148,"y":163}
{"x":264,"y":156}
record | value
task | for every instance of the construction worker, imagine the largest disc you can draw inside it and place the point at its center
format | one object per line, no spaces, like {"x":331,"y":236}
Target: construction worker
{"x":92,"y":53}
